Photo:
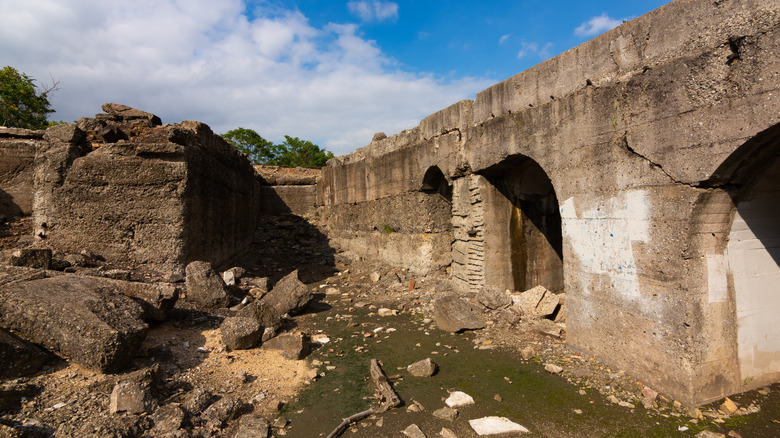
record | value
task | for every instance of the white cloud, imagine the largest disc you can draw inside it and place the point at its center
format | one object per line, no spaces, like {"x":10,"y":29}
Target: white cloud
{"x":533,"y":49}
{"x":207,"y":61}
{"x":503,"y":39}
{"x":374,"y":10}
{"x":597,"y":25}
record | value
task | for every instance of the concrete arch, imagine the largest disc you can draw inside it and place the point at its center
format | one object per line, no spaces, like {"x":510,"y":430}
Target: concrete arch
{"x":523,"y":237}
{"x":434,"y":181}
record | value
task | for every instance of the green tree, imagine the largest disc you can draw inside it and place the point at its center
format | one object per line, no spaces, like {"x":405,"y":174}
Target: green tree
{"x":258,"y":149}
{"x":297,"y":152}
{"x":21,"y":104}
{"x":292,"y":152}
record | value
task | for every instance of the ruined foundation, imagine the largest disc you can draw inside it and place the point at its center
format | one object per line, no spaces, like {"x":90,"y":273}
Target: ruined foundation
{"x":636,"y":173}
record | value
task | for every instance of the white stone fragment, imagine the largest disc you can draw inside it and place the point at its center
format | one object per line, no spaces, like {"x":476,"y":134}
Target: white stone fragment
{"x":495,"y":425}
{"x":458,"y":399}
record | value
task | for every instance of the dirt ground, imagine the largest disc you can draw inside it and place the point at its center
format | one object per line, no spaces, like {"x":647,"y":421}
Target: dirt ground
{"x":65,"y":400}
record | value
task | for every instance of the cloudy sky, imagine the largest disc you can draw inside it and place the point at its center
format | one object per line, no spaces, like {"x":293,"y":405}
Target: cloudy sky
{"x":333,"y":72}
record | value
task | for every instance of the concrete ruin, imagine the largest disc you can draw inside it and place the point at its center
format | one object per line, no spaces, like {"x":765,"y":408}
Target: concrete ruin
{"x":637,"y":172}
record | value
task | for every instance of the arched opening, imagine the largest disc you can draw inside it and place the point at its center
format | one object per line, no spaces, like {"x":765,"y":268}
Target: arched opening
{"x":754,"y":265}
{"x":434,"y":181}
{"x":522,"y":227}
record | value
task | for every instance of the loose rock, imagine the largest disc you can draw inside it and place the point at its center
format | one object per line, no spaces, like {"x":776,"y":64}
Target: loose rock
{"x":413,"y":431}
{"x":453,"y":315}
{"x":424,"y":368}
{"x":458,"y":399}
{"x":205,"y":288}
{"x":495,"y":425}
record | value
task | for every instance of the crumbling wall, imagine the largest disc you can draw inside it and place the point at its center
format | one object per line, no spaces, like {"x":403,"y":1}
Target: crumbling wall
{"x":633,"y":131}
{"x":288,"y":190}
{"x":149,"y":195}
{"x":17,"y":149}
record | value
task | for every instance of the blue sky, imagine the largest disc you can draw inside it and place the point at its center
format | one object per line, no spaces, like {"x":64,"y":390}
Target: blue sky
{"x":331,"y":72}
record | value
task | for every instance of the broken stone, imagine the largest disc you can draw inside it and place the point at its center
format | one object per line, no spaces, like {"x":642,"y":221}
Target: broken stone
{"x":453,"y":315}
{"x":289,"y":296}
{"x":510,"y":315}
{"x":131,"y":397}
{"x":552,"y":368}
{"x":167,"y":419}
{"x":649,"y":394}
{"x":196,"y":401}
{"x":413,"y":431}
{"x":547,"y":327}
{"x":495,"y":426}
{"x":18,"y":357}
{"x":386,"y":312}
{"x":293,"y":346}
{"x":156,"y":300}
{"x":709,"y":434}
{"x":232,"y":276}
{"x":375,"y":276}
{"x":242,"y":330}
{"x":222,"y":411}
{"x":536,"y":302}
{"x":446,"y":433}
{"x":32,"y":258}
{"x":71,"y":315}
{"x":423,"y":368}
{"x":494,"y":298}
{"x":252,"y":426}
{"x":528,"y":353}
{"x":446,"y":413}
{"x":458,"y":399}
{"x":728,"y":406}
{"x":205,"y":287}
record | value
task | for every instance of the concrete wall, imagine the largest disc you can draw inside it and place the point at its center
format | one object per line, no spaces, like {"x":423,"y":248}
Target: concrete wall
{"x":288,"y":190}
{"x":165,"y":197}
{"x":647,"y":136}
{"x":17,"y":149}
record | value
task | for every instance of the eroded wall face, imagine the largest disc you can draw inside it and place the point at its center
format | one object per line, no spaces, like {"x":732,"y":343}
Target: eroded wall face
{"x":17,"y":149}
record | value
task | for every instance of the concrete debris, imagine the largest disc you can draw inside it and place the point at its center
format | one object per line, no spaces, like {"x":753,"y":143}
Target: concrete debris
{"x":458,"y":399}
{"x":135,"y":393}
{"x":453,"y":315}
{"x":728,"y":406}
{"x":242,"y":330}
{"x":18,"y":357}
{"x":252,"y":426}
{"x":424,"y":368}
{"x":446,"y":433}
{"x":222,"y":411}
{"x":528,"y":353}
{"x":709,"y":434}
{"x":205,"y":288}
{"x":196,"y":401}
{"x":494,"y":298}
{"x":552,"y":368}
{"x":536,"y":303}
{"x":167,"y":419}
{"x":414,"y":431}
{"x":446,"y":413}
{"x":288,"y":296}
{"x":291,"y":345}
{"x":495,"y":426}
{"x":32,"y":258}
{"x":77,"y":318}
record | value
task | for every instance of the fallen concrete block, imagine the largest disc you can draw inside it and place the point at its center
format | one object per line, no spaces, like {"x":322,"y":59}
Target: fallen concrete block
{"x":423,"y":368}
{"x":494,"y":298}
{"x":288,"y":296}
{"x":453,"y":315}
{"x":205,"y":288}
{"x":242,"y":330}
{"x":32,"y":258}
{"x":495,"y":426}
{"x":72,"y":316}
{"x":292,"y":345}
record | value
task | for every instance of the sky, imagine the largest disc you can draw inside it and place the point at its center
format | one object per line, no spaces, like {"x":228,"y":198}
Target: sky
{"x":332,"y":72}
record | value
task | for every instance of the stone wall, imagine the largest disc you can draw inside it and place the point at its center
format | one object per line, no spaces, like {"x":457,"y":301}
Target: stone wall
{"x":17,"y":149}
{"x":613,"y":171}
{"x":143,"y":194}
{"x":288,"y":190}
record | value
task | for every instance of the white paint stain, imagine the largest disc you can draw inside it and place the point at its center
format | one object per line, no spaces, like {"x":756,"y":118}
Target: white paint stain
{"x":603,"y":234}
{"x":717,"y":278}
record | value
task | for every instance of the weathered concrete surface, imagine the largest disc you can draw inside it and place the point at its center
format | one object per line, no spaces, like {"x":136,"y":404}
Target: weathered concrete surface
{"x":288,"y":190}
{"x":149,"y":196}
{"x":17,"y":149}
{"x":81,"y":318}
{"x":611,"y":172}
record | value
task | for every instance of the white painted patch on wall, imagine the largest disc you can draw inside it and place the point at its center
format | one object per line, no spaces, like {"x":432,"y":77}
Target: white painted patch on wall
{"x":602,"y":236}
{"x":717,"y":278}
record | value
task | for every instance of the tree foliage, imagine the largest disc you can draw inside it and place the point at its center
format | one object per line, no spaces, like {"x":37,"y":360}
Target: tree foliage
{"x":290,"y":153}
{"x":21,"y":104}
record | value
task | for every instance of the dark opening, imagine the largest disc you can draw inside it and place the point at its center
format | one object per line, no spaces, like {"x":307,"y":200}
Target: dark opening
{"x":434,"y":181}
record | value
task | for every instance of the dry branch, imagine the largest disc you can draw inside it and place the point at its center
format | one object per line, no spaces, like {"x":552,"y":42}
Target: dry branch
{"x":388,"y":399}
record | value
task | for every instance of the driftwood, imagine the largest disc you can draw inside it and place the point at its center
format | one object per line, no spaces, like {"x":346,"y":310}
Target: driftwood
{"x":388,"y":399}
